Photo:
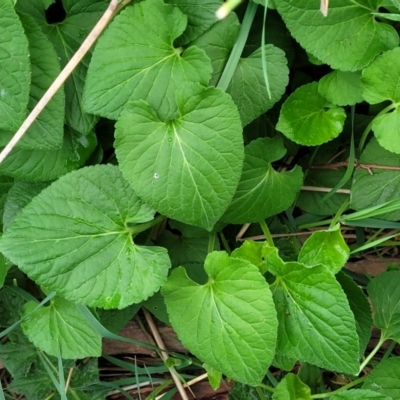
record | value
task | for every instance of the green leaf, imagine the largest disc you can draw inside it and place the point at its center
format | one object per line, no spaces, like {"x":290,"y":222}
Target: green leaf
{"x":254,"y":252}
{"x":14,"y":69}
{"x":200,"y":17}
{"x":66,"y":37}
{"x":3,"y":270}
{"x":247,"y":86}
{"x":115,"y":320}
{"x":380,"y":81}
{"x":47,"y":165}
{"x":341,"y":87}
{"x":195,"y":158}
{"x":74,"y":239}
{"x":308,"y":118}
{"x":384,"y":378}
{"x":61,"y":328}
{"x":262,"y":191}
{"x":183,"y":250}
{"x":214,"y":376}
{"x":156,"y":305}
{"x":359,"y":394}
{"x":291,"y":388}
{"x":385,"y":298}
{"x":6,"y":184}
{"x":230,"y":322}
{"x":316,"y":324}
{"x":20,"y":194}
{"x":47,"y":130}
{"x":326,"y":248}
{"x":360,"y":307}
{"x":137,"y":61}
{"x":218,"y":42}
{"x":382,"y":186}
{"x":348,"y":39}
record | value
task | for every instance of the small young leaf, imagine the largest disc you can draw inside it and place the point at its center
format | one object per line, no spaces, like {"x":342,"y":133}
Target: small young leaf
{"x":230,"y":322}
{"x":326,"y":248}
{"x":359,"y":394}
{"x":316,"y":324}
{"x":308,"y":118}
{"x":47,"y":165}
{"x":194,"y":159}
{"x":380,"y":81}
{"x":200,"y":16}
{"x":360,"y":307}
{"x":14,"y":68}
{"x":74,"y":239}
{"x":247,"y":86}
{"x":382,"y":186}
{"x":385,"y":297}
{"x":341,"y":87}
{"x":138,"y":61}
{"x":262,"y":191}
{"x":348,"y":39}
{"x":384,"y":378}
{"x":291,"y":388}
{"x":61,"y":328}
{"x":255,"y":252}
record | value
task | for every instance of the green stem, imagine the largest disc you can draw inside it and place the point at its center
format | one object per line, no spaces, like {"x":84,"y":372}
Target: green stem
{"x":373,"y":352}
{"x":339,"y":213}
{"x":266,"y":387}
{"x":342,"y":389}
{"x":143,"y":227}
{"x":389,"y":350}
{"x":367,"y":130}
{"x":211,"y":242}
{"x":260,"y":393}
{"x":267,"y":233}
{"x":237,"y":50}
{"x":225,"y":243}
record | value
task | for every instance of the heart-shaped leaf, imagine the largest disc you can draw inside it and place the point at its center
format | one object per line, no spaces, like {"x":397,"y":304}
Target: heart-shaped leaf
{"x":75,"y":238}
{"x":230,"y":322}
{"x":195,"y":158}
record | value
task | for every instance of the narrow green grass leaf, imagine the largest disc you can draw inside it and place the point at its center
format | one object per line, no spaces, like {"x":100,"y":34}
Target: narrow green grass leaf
{"x":237,"y":50}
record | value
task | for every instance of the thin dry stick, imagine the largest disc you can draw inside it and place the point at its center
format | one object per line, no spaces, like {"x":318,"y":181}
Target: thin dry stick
{"x":324,"y":189}
{"x":65,"y":73}
{"x":71,"y":370}
{"x":189,"y":383}
{"x":164,"y":354}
